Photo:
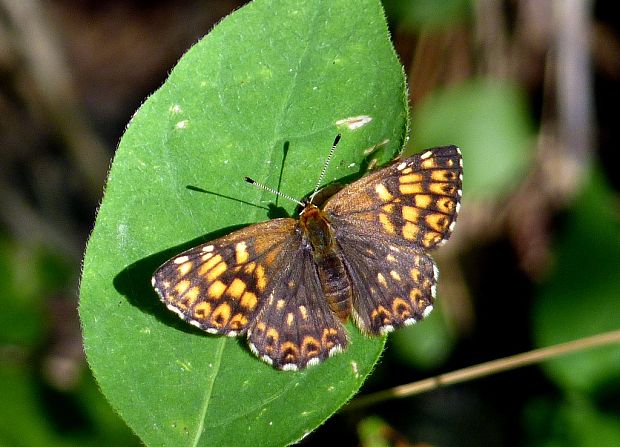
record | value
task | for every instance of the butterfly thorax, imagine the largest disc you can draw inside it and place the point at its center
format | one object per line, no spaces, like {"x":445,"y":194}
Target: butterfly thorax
{"x":319,"y":236}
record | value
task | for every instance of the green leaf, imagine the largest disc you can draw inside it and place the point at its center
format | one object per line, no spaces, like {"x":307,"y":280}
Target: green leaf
{"x":274,"y":74}
{"x":580,"y":298}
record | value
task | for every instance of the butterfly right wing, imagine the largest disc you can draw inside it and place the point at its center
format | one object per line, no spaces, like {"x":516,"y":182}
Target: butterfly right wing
{"x":413,"y":201}
{"x":384,"y":224}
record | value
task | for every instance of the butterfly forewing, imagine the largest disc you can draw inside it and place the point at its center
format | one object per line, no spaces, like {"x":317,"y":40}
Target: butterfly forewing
{"x":220,"y":286}
{"x":414,"y":201}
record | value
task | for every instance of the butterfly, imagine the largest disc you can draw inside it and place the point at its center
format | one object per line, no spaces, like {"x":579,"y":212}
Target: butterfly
{"x":289,"y":285}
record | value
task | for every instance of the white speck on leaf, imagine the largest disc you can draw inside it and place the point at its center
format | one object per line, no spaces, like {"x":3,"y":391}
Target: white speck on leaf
{"x":355,"y":369}
{"x":354,"y":122}
{"x":121,"y":232}
{"x":186,"y":366}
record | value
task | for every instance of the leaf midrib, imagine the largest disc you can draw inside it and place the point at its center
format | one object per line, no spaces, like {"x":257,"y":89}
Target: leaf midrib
{"x":207,"y":397}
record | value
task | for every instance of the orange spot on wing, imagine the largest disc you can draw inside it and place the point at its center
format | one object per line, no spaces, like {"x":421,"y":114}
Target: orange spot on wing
{"x":216,"y":290}
{"x":204,"y":268}
{"x":411,"y":213}
{"x":388,"y":226}
{"x":261,"y":280}
{"x":221,"y":315}
{"x":423,"y":201}
{"x":238,"y":321}
{"x":217,"y":271}
{"x":431,"y":238}
{"x":182,"y":286}
{"x":411,"y":188}
{"x":202,"y":310}
{"x":185,"y":268}
{"x":236,"y":288}
{"x":249,"y":300}
{"x":383,"y":193}
{"x":429,"y":163}
{"x":442,"y":175}
{"x":410,"y":231}
{"x":437,"y":222}
{"x":411,"y":178}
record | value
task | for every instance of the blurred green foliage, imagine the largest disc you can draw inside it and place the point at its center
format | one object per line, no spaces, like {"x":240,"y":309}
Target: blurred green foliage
{"x":490,"y":121}
{"x":574,"y":421}
{"x":32,"y":411}
{"x":581,"y":296}
{"x":426,"y":14}
{"x":22,"y":319}
{"x":372,"y":432}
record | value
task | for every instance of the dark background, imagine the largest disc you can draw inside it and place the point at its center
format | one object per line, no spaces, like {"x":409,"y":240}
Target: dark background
{"x":519,"y":269}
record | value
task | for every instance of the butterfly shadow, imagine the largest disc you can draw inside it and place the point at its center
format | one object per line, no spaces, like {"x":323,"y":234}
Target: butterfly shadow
{"x":134,"y":281}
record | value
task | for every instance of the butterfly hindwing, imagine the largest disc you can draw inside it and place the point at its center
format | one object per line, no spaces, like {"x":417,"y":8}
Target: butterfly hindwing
{"x":296,"y":327}
{"x":393,"y":285}
{"x":413,"y":201}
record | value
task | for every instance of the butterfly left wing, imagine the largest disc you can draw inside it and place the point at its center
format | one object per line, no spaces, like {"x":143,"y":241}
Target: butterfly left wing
{"x":260,"y":281}
{"x":220,"y":286}
{"x":296,"y":328}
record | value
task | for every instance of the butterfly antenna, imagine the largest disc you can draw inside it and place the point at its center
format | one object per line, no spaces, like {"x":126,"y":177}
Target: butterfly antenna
{"x":277,"y":193}
{"x":329,"y":159}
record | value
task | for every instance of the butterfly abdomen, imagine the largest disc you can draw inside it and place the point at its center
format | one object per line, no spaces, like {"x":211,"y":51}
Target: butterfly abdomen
{"x":336,"y":285}
{"x":335,"y":282}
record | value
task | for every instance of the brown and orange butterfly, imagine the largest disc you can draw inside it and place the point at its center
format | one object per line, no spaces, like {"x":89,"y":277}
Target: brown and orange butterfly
{"x":289,"y":285}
